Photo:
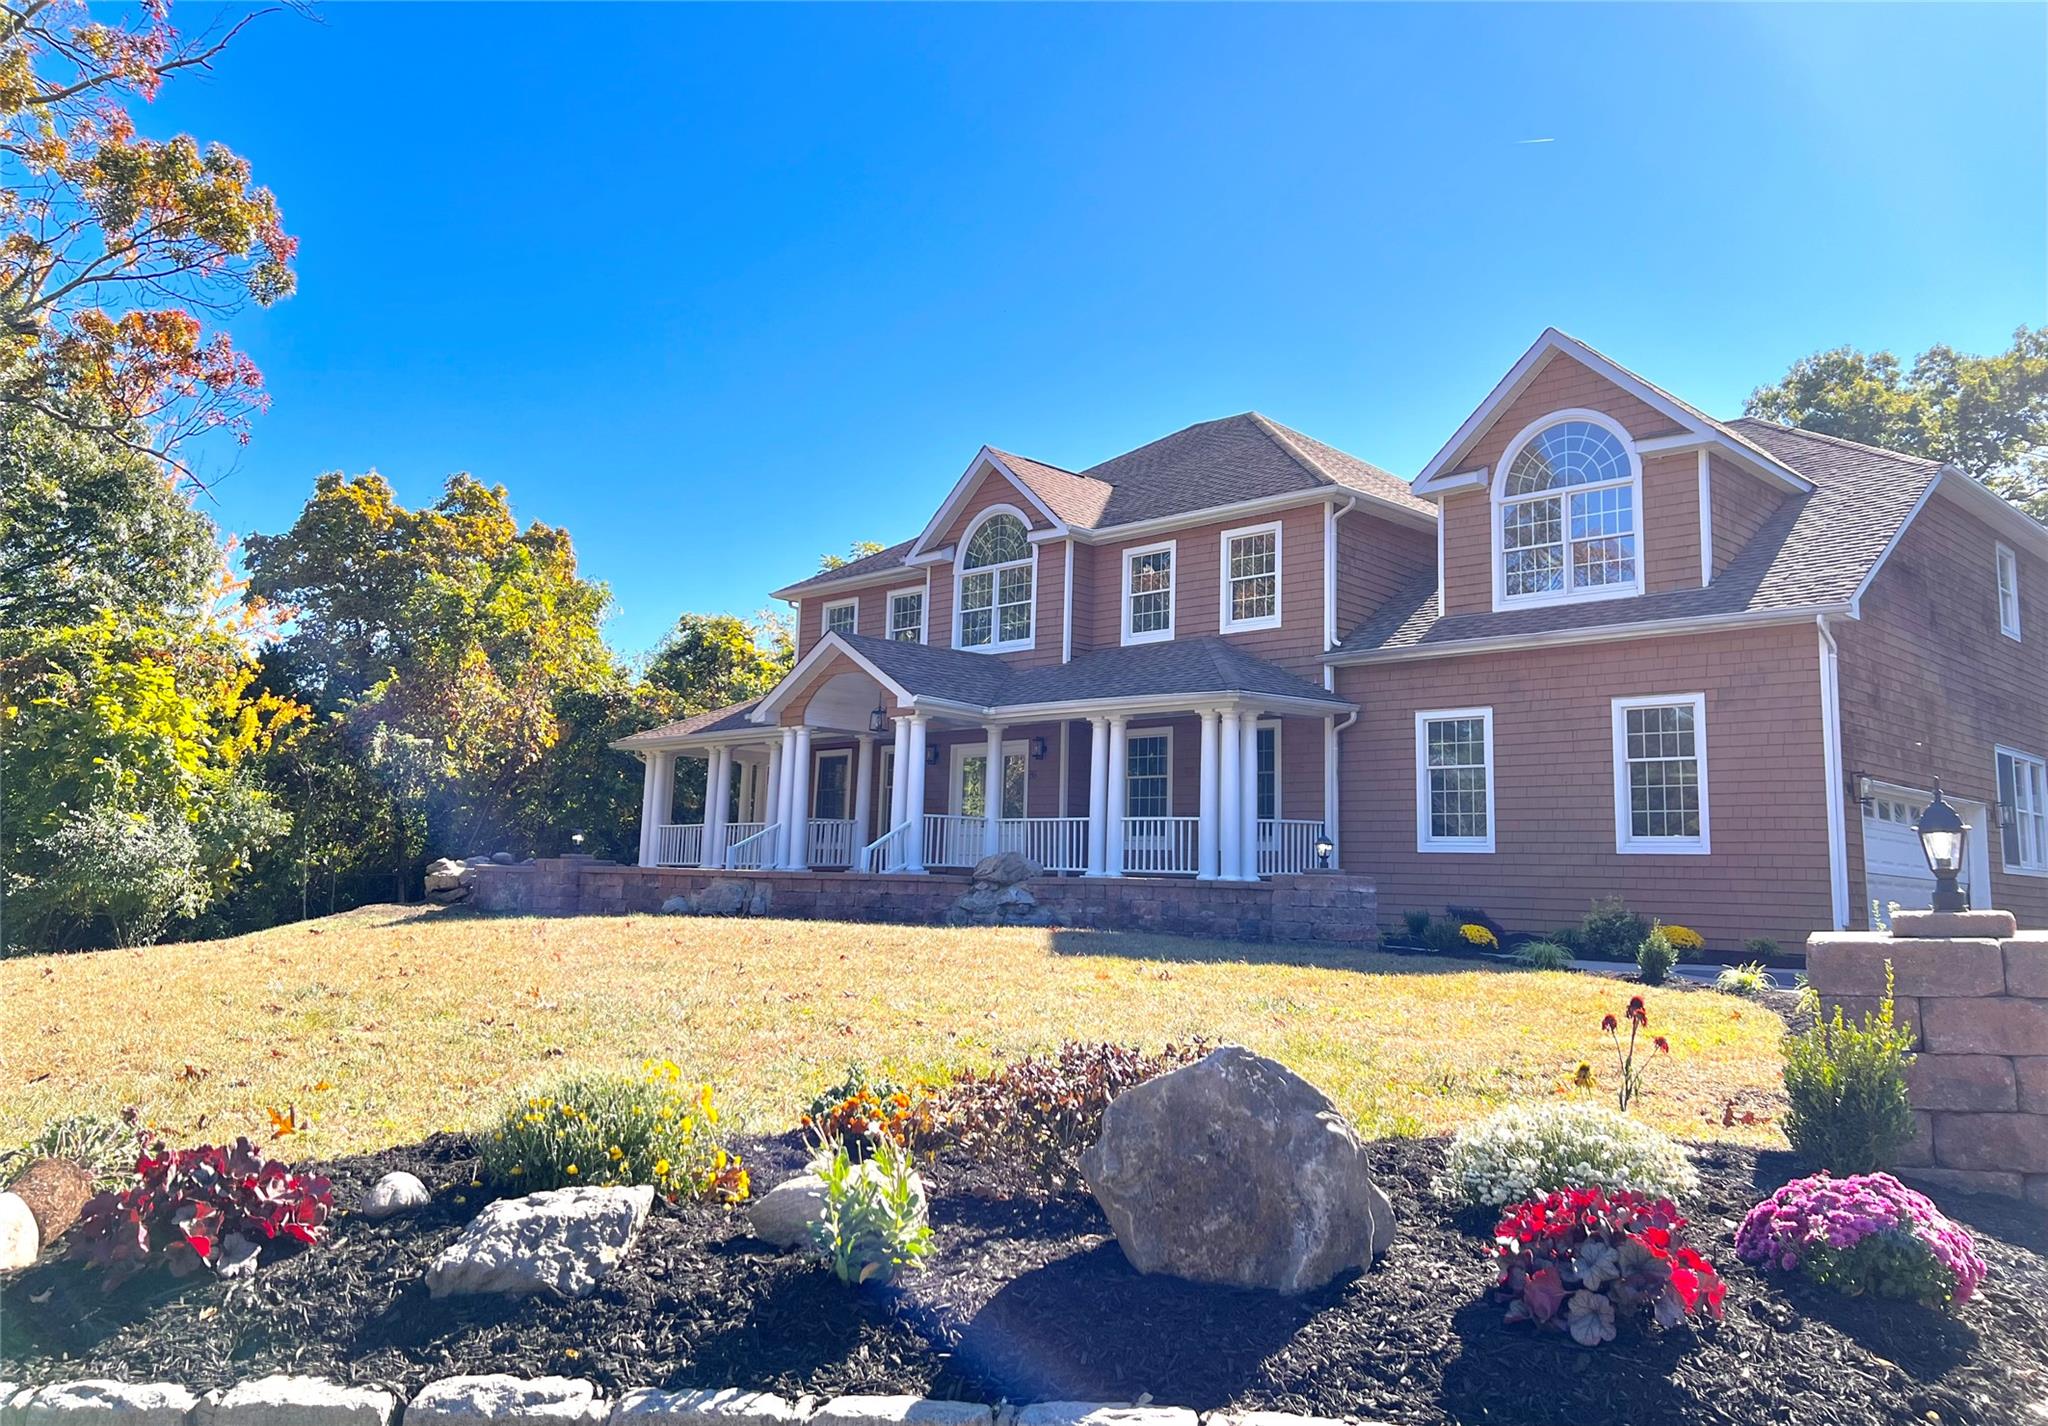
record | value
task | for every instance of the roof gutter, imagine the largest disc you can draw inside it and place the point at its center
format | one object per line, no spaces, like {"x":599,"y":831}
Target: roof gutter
{"x":1598,"y":634}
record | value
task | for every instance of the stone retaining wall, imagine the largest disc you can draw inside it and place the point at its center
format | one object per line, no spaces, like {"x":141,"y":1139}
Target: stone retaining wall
{"x":552,"y":1401}
{"x":1976,"y":991}
{"x":1318,"y":906}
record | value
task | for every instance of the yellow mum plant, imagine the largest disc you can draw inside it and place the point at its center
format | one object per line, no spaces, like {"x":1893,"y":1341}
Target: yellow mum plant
{"x":1478,"y":935}
{"x":1684,"y":938}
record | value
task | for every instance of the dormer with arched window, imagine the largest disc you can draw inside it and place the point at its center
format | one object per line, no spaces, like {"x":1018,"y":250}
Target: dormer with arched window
{"x":1567,"y":512}
{"x":995,"y":584}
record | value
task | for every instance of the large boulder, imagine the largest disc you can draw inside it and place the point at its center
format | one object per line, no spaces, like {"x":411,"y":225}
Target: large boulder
{"x":1005,"y":869}
{"x":564,"y":1242}
{"x":1237,"y":1170}
{"x":447,"y":880}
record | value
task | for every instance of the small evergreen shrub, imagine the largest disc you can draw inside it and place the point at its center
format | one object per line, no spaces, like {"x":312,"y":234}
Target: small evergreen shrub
{"x":872,"y":1226}
{"x":1762,"y":947}
{"x":1655,"y":957}
{"x":1446,"y":936}
{"x":1416,"y":922}
{"x":1611,"y":932}
{"x":1748,"y":979}
{"x":1543,"y":955}
{"x":1846,"y":1085}
{"x":1529,"y":1150}
{"x":1866,"y":1233}
{"x":609,"y":1129}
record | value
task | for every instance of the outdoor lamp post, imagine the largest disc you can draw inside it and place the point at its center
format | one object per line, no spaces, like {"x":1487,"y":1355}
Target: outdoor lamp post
{"x":1942,"y":840}
{"x":1324,"y":849}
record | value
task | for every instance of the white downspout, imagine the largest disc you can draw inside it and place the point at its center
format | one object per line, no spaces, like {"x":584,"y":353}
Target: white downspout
{"x":1831,"y":759}
{"x":1333,"y":731}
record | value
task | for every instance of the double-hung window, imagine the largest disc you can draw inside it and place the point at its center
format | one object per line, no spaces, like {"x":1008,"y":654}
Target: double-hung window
{"x":1567,"y":515}
{"x":906,"y":615}
{"x":1454,"y":780}
{"x":2008,"y":592}
{"x":995,"y":591}
{"x":841,"y":616}
{"x":1251,"y":578}
{"x":1660,"y":774}
{"x":1268,"y":787}
{"x":1148,"y":593}
{"x":2023,"y":811}
{"x":1148,"y":788}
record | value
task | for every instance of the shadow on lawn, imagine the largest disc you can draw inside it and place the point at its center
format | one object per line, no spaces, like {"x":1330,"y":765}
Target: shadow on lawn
{"x":1158,"y":946}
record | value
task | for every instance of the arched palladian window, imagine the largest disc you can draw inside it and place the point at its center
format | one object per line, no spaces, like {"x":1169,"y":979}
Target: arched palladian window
{"x":995,"y":591}
{"x":1567,"y":506}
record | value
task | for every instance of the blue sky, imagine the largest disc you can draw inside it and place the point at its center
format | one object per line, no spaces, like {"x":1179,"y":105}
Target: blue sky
{"x":720,"y":288}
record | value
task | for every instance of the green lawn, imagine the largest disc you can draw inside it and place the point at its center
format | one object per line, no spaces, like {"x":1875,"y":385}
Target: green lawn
{"x":388,"y":1023}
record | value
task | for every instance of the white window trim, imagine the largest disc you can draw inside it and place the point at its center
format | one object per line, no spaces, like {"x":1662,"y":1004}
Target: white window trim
{"x":1625,"y":840}
{"x":960,"y":572}
{"x":923,"y":612}
{"x":825,"y":615}
{"x":818,"y":761}
{"x":978,"y":748}
{"x":2018,"y":757}
{"x":1279,"y":771}
{"x":1270,"y":621}
{"x":1153,"y":636}
{"x":1424,"y":842}
{"x":2006,"y":562}
{"x":1501,"y":599}
{"x":1159,"y":731}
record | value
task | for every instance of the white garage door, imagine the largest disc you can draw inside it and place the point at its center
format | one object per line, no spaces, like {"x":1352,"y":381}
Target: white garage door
{"x":1894,"y":870}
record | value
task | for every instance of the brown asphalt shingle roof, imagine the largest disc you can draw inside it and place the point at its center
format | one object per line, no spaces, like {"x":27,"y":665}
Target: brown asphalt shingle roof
{"x":730,"y":718}
{"x":1816,"y":549}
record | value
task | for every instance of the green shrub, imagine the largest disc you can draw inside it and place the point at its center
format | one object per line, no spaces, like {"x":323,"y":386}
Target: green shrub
{"x":1762,"y":947}
{"x":1446,"y":936}
{"x":107,"y":1147}
{"x":1846,"y":1083}
{"x":1530,"y":1150}
{"x":615,"y":1129}
{"x":872,"y":1225}
{"x":1654,"y":958}
{"x":1745,"y":980}
{"x":1611,"y":932}
{"x":1417,"y":922}
{"x":1543,"y":955}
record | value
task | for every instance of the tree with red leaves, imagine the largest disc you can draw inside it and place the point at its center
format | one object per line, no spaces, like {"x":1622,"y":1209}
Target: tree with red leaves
{"x":117,"y":251}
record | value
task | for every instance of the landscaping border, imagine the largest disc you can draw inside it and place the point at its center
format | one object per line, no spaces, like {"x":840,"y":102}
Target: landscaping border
{"x":558,"y":1401}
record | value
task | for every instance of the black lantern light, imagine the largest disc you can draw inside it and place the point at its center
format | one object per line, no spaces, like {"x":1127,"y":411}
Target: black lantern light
{"x":1943,"y":838}
{"x":1038,"y":750}
{"x":1325,"y":848}
{"x":878,"y":719}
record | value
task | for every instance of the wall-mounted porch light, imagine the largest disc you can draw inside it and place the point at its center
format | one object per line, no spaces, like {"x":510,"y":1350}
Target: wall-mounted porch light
{"x":1325,"y":848}
{"x":931,"y":754}
{"x":1943,"y":839}
{"x":879,"y":719}
{"x":1038,"y":750}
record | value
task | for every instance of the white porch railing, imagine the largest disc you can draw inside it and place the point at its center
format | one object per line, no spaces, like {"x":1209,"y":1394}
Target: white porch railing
{"x":1287,"y":846}
{"x":886,"y":852}
{"x":1156,"y":846}
{"x":832,"y":841}
{"x":751,"y":852}
{"x":735,"y":832}
{"x":679,"y":844}
{"x":953,"y":841}
{"x":1055,"y":843}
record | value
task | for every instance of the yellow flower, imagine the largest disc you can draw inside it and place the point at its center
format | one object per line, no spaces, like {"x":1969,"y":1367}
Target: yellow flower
{"x":617,"y":1153}
{"x":571,"y":1170}
{"x":1478,"y":935}
{"x":661,"y":1167}
{"x":518,"y":1170}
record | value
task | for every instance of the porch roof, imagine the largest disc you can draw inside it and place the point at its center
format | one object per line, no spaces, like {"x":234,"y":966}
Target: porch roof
{"x":730,"y":719}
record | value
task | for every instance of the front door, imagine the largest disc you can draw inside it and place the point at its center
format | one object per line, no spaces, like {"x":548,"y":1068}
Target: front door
{"x":969,"y":796}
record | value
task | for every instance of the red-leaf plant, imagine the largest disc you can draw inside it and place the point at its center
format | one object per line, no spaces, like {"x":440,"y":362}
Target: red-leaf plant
{"x":203,"y":1207}
{"x":1575,"y":1261}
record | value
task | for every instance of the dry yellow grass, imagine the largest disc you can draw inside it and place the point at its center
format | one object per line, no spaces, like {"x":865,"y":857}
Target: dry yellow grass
{"x":389,"y":1023}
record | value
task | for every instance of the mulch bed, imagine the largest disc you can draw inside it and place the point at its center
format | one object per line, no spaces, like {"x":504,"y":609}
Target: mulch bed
{"x":1027,"y":1297}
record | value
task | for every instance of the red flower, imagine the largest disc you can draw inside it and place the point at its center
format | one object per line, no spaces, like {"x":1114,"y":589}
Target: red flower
{"x":1609,"y":1023}
{"x":1636,"y":1012}
{"x":1663,"y":1045}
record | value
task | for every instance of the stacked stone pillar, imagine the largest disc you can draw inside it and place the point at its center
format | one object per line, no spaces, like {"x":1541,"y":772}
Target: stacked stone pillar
{"x":1975,"y":990}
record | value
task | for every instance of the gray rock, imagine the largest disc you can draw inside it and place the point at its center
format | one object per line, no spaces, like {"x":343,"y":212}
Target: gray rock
{"x":1101,"y":1413}
{"x":677,"y":906}
{"x":564,"y":1241}
{"x":1237,"y":1170}
{"x":97,"y":1402}
{"x":1005,"y":869}
{"x":297,"y":1401}
{"x":723,"y":897}
{"x":21,"y":1238}
{"x":730,"y":1407}
{"x":901,"y":1411}
{"x":503,"y":858}
{"x":499,"y":1400}
{"x":447,"y":880}
{"x":396,"y":1192}
{"x":784,"y":1214}
{"x":763,"y":897}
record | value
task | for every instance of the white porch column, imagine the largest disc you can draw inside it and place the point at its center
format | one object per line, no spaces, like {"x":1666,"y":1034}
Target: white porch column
{"x":899,"y":774}
{"x":1230,"y":798}
{"x":992,"y":792}
{"x":1098,"y":795}
{"x":800,"y":803}
{"x":664,"y":789}
{"x":1113,"y":850}
{"x":863,"y":795}
{"x":647,"y":766}
{"x":913,"y":793}
{"x":785,"y":778}
{"x":1248,"y":791}
{"x":1208,"y":854}
{"x":717,"y":787}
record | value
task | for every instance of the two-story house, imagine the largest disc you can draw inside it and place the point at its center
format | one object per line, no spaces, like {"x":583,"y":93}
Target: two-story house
{"x":1602,"y":645}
